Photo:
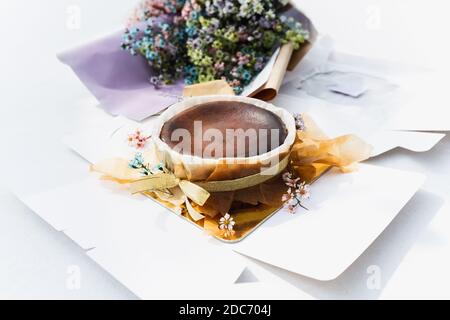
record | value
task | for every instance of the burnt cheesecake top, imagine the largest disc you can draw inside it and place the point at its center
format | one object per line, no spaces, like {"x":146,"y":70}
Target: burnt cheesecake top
{"x":240,"y":130}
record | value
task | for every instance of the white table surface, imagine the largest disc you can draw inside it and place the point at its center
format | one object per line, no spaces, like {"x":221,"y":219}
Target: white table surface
{"x":39,"y":105}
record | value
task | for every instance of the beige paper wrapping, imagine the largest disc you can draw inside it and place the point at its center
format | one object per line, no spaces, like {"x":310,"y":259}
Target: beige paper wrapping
{"x":219,"y":87}
{"x":270,"y":89}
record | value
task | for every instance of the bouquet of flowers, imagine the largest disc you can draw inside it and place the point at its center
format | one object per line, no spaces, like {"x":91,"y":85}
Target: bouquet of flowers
{"x":204,"y":40}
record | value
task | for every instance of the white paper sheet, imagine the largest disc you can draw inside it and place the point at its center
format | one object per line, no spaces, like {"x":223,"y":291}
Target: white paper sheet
{"x":92,"y":142}
{"x":136,"y":237}
{"x":347,"y":213}
{"x":349,"y":84}
{"x":340,"y":120}
{"x":409,"y":140}
{"x":414,"y":98}
{"x":313,"y":62}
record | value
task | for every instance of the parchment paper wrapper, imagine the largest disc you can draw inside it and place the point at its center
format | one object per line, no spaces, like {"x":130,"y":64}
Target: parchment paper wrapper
{"x":217,"y":87}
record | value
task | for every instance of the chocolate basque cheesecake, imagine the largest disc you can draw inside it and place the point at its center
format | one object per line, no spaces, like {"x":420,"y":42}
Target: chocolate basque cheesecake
{"x":260,"y":130}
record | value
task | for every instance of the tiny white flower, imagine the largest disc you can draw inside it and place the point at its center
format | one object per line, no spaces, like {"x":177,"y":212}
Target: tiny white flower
{"x":226,"y":223}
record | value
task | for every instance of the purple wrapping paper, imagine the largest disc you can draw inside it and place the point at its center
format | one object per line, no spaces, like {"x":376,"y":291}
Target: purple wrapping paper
{"x":118,"y":80}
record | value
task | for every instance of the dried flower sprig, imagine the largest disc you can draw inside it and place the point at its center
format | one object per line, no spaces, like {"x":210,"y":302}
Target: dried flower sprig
{"x":137,"y":139}
{"x":139,"y":163}
{"x":203,"y":40}
{"x":297,"y":192}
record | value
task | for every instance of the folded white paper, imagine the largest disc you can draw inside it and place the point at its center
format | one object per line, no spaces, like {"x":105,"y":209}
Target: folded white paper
{"x":341,"y":120}
{"x":134,"y":238}
{"x":410,"y":140}
{"x":92,"y":142}
{"x":137,"y":238}
{"x":313,"y":62}
{"x":346,"y":214}
{"x":411,"y":98}
{"x":353,"y":85}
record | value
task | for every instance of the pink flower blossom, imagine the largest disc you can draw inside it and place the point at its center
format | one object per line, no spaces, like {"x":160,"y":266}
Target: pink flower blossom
{"x":137,"y":139}
{"x":297,"y":191}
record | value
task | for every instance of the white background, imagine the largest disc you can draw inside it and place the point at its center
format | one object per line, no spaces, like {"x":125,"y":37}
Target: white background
{"x":39,"y":99}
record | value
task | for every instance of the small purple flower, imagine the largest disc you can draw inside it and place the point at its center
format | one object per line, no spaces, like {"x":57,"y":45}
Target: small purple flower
{"x":219,"y":66}
{"x":155,"y":81}
{"x":264,"y":23}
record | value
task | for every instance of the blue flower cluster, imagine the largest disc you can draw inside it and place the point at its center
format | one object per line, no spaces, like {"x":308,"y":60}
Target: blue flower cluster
{"x":138,"y":163}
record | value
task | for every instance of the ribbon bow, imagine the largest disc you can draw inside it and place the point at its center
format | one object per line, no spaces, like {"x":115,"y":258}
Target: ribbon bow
{"x":164,"y":181}
{"x":198,"y":192}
